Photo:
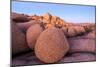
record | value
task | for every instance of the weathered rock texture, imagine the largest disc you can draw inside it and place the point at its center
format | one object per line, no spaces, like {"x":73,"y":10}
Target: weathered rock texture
{"x":30,"y":59}
{"x":80,"y":36}
{"x":82,"y":45}
{"x":32,"y":34}
{"x":51,"y":45}
{"x":78,"y":57}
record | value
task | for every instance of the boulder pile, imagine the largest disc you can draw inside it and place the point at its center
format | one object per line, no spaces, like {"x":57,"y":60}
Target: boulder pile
{"x":50,"y":39}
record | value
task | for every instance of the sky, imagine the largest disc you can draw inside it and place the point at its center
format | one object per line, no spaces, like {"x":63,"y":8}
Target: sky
{"x":68,"y":12}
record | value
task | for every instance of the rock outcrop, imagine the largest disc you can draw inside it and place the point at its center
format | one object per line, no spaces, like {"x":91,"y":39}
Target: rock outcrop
{"x":18,"y":40}
{"x":19,"y":17}
{"x":26,"y":31}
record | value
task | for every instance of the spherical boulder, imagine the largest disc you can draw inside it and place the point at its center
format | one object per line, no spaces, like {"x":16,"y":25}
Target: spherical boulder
{"x":32,"y":34}
{"x":51,"y":45}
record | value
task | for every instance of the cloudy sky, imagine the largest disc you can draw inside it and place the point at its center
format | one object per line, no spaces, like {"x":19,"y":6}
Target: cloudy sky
{"x":68,"y":12}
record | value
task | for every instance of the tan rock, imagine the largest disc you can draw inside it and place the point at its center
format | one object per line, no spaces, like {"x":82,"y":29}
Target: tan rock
{"x":71,"y":32}
{"x":32,"y":34}
{"x":49,"y":26}
{"x":79,"y":30}
{"x":47,"y":18}
{"x":51,"y":45}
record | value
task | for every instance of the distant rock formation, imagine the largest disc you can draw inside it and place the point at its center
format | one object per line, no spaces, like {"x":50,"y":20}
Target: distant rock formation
{"x":47,"y":21}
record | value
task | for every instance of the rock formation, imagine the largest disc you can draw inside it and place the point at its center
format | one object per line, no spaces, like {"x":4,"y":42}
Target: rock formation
{"x":81,"y":38}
